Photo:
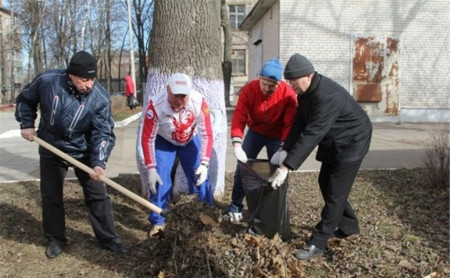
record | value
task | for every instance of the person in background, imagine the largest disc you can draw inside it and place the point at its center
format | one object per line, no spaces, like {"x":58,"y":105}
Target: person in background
{"x":130,"y":92}
{"x":267,"y":106}
{"x":329,"y":117}
{"x":176,"y":124}
{"x":75,"y":118}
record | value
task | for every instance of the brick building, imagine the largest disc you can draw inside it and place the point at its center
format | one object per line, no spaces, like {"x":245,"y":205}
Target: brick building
{"x":392,"y":56}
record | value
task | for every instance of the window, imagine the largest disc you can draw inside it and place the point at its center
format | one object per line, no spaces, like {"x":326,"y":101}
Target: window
{"x":236,"y":15}
{"x":238,"y":62}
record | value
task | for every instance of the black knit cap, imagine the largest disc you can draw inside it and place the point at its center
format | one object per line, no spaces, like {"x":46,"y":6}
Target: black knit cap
{"x":83,"y":65}
{"x":297,"y":66}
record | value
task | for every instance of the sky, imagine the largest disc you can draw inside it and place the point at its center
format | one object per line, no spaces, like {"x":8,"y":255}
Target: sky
{"x":5,"y":3}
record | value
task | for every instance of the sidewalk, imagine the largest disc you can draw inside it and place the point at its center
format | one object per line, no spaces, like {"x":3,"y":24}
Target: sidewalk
{"x":393,"y":146}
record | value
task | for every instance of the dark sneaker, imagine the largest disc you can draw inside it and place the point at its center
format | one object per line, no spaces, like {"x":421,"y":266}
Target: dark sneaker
{"x":54,"y":249}
{"x":115,"y":247}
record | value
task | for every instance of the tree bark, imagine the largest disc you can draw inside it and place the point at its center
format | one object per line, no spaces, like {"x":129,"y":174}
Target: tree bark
{"x":227,"y":64}
{"x":186,"y":38}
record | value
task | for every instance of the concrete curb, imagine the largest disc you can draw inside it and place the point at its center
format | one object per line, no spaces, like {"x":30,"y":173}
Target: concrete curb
{"x":128,"y":120}
{"x":10,"y":134}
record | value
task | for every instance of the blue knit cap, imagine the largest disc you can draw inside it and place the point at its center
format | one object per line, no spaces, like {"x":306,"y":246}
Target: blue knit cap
{"x":272,"y":69}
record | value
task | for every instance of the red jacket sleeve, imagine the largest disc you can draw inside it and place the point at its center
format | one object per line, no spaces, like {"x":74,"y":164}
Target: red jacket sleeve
{"x":149,"y":132}
{"x":205,"y":132}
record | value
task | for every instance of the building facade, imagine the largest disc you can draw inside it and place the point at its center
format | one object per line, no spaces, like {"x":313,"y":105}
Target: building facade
{"x":392,"y":56}
{"x":237,"y":11}
{"x":11,"y":59}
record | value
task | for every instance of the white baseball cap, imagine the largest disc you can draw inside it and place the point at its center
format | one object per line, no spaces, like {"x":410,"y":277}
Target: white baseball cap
{"x":180,"y":84}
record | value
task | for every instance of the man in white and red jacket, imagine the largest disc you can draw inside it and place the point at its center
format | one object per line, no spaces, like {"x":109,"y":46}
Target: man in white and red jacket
{"x":267,"y":106}
{"x":176,"y":123}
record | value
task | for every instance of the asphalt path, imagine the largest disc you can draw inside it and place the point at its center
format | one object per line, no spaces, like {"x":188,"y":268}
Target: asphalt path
{"x":394,"y":146}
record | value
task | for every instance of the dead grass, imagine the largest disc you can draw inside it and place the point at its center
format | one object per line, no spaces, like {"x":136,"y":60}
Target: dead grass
{"x":120,"y":109}
{"x":404,"y":233}
{"x":437,"y":160}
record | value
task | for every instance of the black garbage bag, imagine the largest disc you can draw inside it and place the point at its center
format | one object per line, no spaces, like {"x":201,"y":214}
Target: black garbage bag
{"x":268,"y":208}
{"x":132,"y":101}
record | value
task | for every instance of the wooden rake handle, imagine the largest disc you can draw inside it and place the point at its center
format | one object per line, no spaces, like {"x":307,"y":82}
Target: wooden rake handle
{"x":104,"y":179}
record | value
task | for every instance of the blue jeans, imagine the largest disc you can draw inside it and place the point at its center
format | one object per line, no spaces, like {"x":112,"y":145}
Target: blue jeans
{"x":252,"y":145}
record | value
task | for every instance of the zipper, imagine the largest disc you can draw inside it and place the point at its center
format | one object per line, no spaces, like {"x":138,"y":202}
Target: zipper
{"x":55,"y":105}
{"x":75,"y":119}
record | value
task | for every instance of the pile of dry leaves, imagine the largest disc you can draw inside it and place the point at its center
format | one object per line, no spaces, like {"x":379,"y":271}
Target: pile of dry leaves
{"x":404,"y":233}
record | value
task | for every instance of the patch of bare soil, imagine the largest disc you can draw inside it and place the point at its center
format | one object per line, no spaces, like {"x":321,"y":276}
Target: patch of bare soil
{"x":404,"y":233}
{"x":120,"y":109}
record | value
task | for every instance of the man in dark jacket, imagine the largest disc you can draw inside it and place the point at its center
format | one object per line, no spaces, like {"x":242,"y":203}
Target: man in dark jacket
{"x":75,"y":117}
{"x":329,"y":117}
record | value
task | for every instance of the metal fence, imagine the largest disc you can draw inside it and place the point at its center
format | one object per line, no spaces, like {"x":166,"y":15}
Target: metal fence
{"x":8,"y":93}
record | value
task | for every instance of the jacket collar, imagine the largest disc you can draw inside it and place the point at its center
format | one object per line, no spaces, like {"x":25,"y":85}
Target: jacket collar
{"x":314,"y":83}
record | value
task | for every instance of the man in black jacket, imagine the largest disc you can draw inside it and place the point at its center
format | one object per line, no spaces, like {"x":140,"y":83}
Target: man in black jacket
{"x":329,"y":117}
{"x":75,"y":118}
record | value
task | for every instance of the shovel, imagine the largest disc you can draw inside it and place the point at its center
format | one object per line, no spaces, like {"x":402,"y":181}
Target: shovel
{"x":104,"y":179}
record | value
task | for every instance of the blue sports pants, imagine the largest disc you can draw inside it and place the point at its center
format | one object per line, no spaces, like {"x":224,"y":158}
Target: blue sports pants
{"x":189,"y":156}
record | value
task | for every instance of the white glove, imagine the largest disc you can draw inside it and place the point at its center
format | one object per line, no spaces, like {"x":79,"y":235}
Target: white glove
{"x":153,"y":178}
{"x":202,"y":172}
{"x":278,"y":157}
{"x":278,"y":177}
{"x":240,"y":154}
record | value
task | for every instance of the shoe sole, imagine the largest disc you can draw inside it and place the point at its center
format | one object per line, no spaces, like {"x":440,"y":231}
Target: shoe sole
{"x":310,"y":257}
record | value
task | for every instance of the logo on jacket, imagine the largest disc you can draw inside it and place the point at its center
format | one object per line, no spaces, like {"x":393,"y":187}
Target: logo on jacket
{"x":150,"y":114}
{"x":184,"y":126}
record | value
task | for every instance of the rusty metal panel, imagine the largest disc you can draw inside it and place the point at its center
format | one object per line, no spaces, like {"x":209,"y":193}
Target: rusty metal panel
{"x":375,"y":72}
{"x":368,"y":60}
{"x":370,"y":92}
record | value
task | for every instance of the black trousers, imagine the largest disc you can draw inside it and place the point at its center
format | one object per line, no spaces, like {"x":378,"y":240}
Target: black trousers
{"x":335,"y":181}
{"x":53,"y":171}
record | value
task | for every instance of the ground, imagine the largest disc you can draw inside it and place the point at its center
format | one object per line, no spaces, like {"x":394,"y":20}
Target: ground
{"x":404,"y":233}
{"x":120,"y":109}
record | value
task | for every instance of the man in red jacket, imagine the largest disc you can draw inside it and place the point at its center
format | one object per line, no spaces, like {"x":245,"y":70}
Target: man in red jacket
{"x":267,"y":106}
{"x":130,"y":92}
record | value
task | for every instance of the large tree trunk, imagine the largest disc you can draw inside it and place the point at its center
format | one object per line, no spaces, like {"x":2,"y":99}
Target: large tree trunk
{"x":227,"y":64}
{"x":186,"y":38}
